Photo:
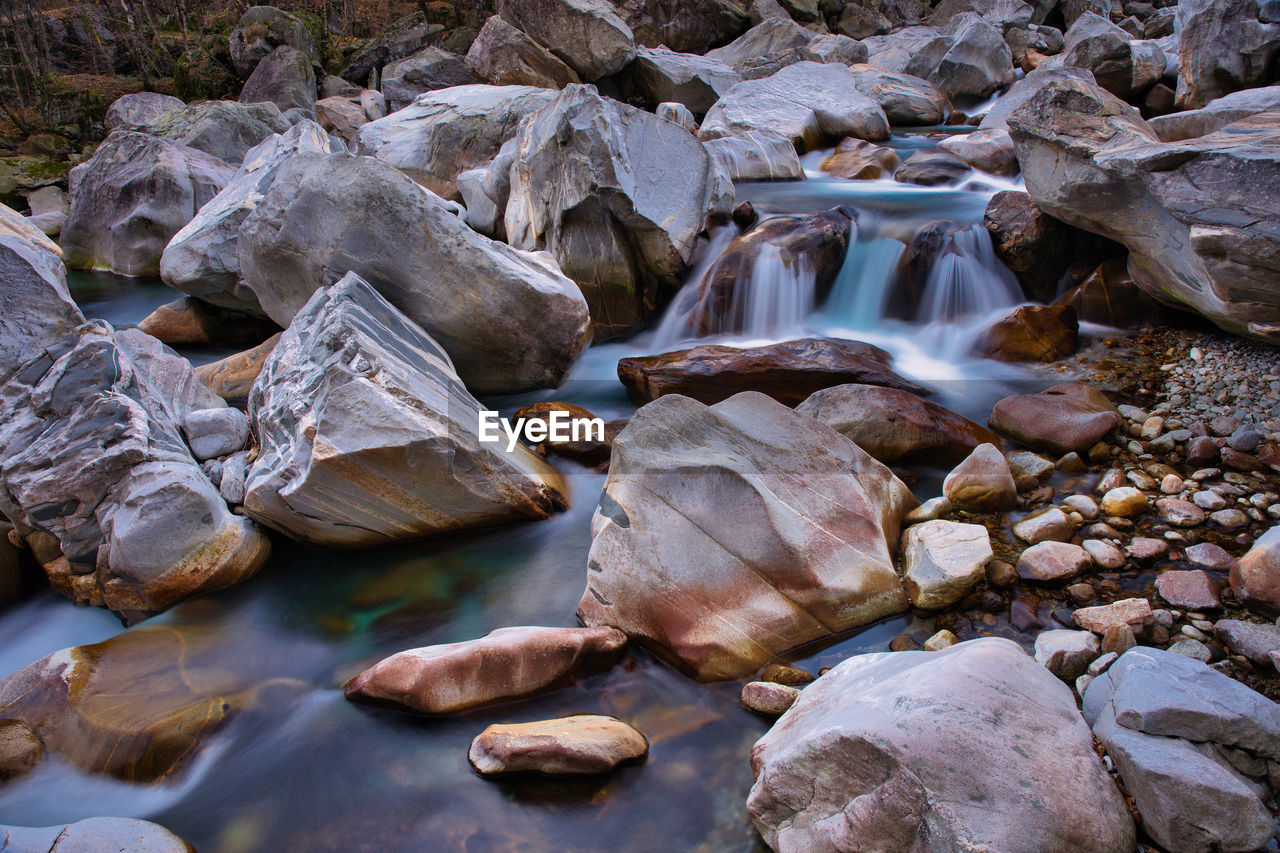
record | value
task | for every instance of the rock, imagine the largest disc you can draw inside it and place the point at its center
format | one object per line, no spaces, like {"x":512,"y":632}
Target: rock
{"x":1125,"y":502}
{"x":808,"y":103}
{"x":789,"y":372}
{"x":930,"y":510}
{"x":1118,"y":639}
{"x":1146,"y":551}
{"x":139,"y":109}
{"x":214,"y":433}
{"x":1188,"y":590}
{"x":677,"y":114}
{"x":504,"y":56}
{"x":191,"y":321}
{"x":660,"y":75}
{"x":232,"y":377}
{"x":588,"y":35}
{"x":93,"y":835}
{"x":1209,"y":556}
{"x":312,"y":226}
{"x":988,"y":150}
{"x":131,"y":197}
{"x":726,"y":298}
{"x":942,"y":561}
{"x":1250,"y":640}
{"x":778,"y":584}
{"x":1044,"y":333}
{"x":894,"y":425}
{"x":1061,"y":419}
{"x":1255,"y":578}
{"x":769,"y":41}
{"x":588,"y":743}
{"x":944,"y":639}
{"x":778,"y":673}
{"x":859,"y":160}
{"x":223,"y":129}
{"x":1104,"y":554}
{"x":1225,"y":47}
{"x":50,"y":206}
{"x":1066,"y":653}
{"x":39,"y":311}
{"x":932,"y":169}
{"x":444,"y":133}
{"x":1110,"y":297}
{"x":1215,"y":115}
{"x":1049,"y":524}
{"x":506,"y":664}
{"x":757,"y":155}
{"x":906,"y":100}
{"x":681,"y":26}
{"x":982,"y":482}
{"x":91,"y":454}
{"x":624,"y":241}
{"x":977,"y":63}
{"x":1035,"y":246}
{"x":285,"y":78}
{"x":261,"y":30}
{"x":20,"y":750}
{"x":340,"y":116}
{"x":769,"y":699}
{"x":425,"y":71}
{"x":1201,"y":450}
{"x":1119,"y":64}
{"x":1229,"y":519}
{"x":1134,"y":612}
{"x":410,"y":465}
{"x":1179,"y":513}
{"x":860,"y":22}
{"x":396,"y":43}
{"x":1025,"y":89}
{"x":203,"y":258}
{"x":1027,"y":464}
{"x":1193,"y":649}
{"x":1053,"y":562}
{"x":907,"y":730}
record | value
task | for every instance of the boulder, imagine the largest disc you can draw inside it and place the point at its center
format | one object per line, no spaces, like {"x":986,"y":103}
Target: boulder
{"x":1066,"y":653}
{"x":582,"y":744}
{"x":618,"y":196}
{"x":50,"y":206}
{"x":660,"y":75}
{"x":444,"y":133}
{"x":757,"y":155}
{"x":1124,"y":67}
{"x":1216,"y":115}
{"x":203,"y":258}
{"x":91,"y":454}
{"x":977,"y":63}
{"x":92,"y":835}
{"x":376,"y":440}
{"x":425,"y":71}
{"x":38,"y":308}
{"x":395,"y":43}
{"x":504,"y":56}
{"x":284,"y":78}
{"x":989,"y":150}
{"x":506,"y":664}
{"x":768,"y":40}
{"x":1109,"y":297}
{"x":932,"y":169}
{"x":684,"y":27}
{"x":860,"y":22}
{"x":1062,"y":419}
{"x":872,"y":756}
{"x":313,"y":226}
{"x":1225,"y":46}
{"x":224,"y":129}
{"x":214,"y":433}
{"x":806,"y":554}
{"x":982,"y":482}
{"x":189,"y":321}
{"x":896,"y":426}
{"x":261,"y":30}
{"x":788,"y":372}
{"x":942,"y":561}
{"x":1002,"y":14}
{"x":1026,"y":88}
{"x":1091,"y":161}
{"x":131,"y":197}
{"x":1045,"y":333}
{"x":340,"y":116}
{"x":1034,"y":245}
{"x":809,"y":103}
{"x":139,"y":110}
{"x":588,"y":35}
{"x":1255,"y":577}
{"x":906,"y":100}
{"x":914,"y":50}
{"x":859,"y":160}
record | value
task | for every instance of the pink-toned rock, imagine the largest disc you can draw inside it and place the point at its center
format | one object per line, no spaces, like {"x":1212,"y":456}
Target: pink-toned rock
{"x":1255,"y":578}
{"x":1134,"y":612}
{"x":1061,"y":419}
{"x":765,"y":697}
{"x":589,"y":743}
{"x":1190,"y":590}
{"x":508,"y":663}
{"x":982,"y":482}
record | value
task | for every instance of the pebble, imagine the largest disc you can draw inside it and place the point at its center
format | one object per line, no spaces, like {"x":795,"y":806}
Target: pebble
{"x":942,"y":640}
{"x":1001,"y":575}
{"x":904,"y":643}
{"x":1104,"y":554}
{"x":791,"y":676}
{"x":1189,"y":589}
{"x":1194,"y":633}
{"x":1049,"y":562}
{"x":1193,"y":649}
{"x":1229,"y":519}
{"x":1172,"y":484}
{"x":1210,"y":556}
{"x":768,"y":698}
{"x":1209,"y":500}
{"x":1124,"y":502}
{"x":1141,"y":479}
{"x":1071,"y":464}
{"x":1046,"y":525}
{"x":1113,"y":479}
{"x":930,"y":510}
{"x":1100,"y":665}
{"x":1151,"y":428}
{"x":1144,"y":550}
{"x":1086,"y":506}
{"x":1118,"y":639}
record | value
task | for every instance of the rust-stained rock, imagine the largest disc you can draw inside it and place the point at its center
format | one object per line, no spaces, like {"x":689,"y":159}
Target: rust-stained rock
{"x":857,"y":159}
{"x":190,"y":321}
{"x":589,"y":449}
{"x":1044,"y":333}
{"x":588,"y":743}
{"x":232,"y":377}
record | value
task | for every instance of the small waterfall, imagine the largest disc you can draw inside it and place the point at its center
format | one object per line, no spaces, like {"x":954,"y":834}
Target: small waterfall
{"x":968,"y":280}
{"x":674,"y":327}
{"x":777,"y":297}
{"x":858,"y":297}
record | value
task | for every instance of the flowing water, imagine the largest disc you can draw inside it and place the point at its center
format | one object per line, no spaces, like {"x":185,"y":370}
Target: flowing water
{"x":311,"y":771}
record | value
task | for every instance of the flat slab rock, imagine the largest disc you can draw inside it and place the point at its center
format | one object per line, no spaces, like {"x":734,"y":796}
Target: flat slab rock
{"x":93,"y":835}
{"x":1064,"y":418}
{"x":1189,"y":590}
{"x":1254,"y":641}
{"x":788,"y":372}
{"x":585,"y":744}
{"x":508,"y":663}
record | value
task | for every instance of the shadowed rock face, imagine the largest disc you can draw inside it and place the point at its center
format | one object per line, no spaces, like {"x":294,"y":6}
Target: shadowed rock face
{"x":788,"y":372}
{"x":588,"y":35}
{"x":504,"y":56}
{"x":38,"y":309}
{"x":424,"y":71}
{"x":727,"y":535}
{"x":1064,"y":418}
{"x":506,"y":664}
{"x":874,"y":754}
{"x":1043,"y":333}
{"x":232,"y":378}
{"x":1225,"y":46}
{"x":684,"y":27}
{"x":284,"y":78}
{"x":588,"y":743}
{"x":368,"y":436}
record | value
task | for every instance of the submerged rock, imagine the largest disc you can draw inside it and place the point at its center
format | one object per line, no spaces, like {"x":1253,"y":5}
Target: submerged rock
{"x":93,"y":835}
{"x":874,"y":753}
{"x":368,"y":436}
{"x":587,"y":743}
{"x":789,"y":372}
{"x":1064,"y":418}
{"x":506,"y":664}
{"x":806,"y":553}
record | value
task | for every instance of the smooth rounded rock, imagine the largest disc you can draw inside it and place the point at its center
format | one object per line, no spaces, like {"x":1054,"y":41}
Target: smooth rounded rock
{"x":1053,"y":562}
{"x":586,"y":744}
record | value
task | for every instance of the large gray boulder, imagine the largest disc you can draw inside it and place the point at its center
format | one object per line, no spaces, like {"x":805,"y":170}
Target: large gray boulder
{"x":978,"y":62}
{"x":660,"y":76}
{"x":509,"y":320}
{"x":974,"y":747}
{"x":1026,"y":88}
{"x":284,"y":78}
{"x":905,"y":99}
{"x":756,"y":155}
{"x":805,"y":552}
{"x":368,"y":436}
{"x":617,"y":195}
{"x":504,"y":56}
{"x":1225,"y":46}
{"x":1216,"y":115}
{"x":425,"y":71}
{"x":772,"y":38}
{"x":682,"y":26}
{"x":1198,"y":751}
{"x":809,"y":103}
{"x":1124,"y":67}
{"x":93,"y":460}
{"x":1199,"y":233}
{"x":131,"y":197}
{"x":914,"y":50}
{"x":38,"y":309}
{"x":444,"y":133}
{"x":588,"y":35}
{"x":139,"y":109}
{"x":202,"y":259}
{"x":261,"y":30}
{"x":224,"y":129}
